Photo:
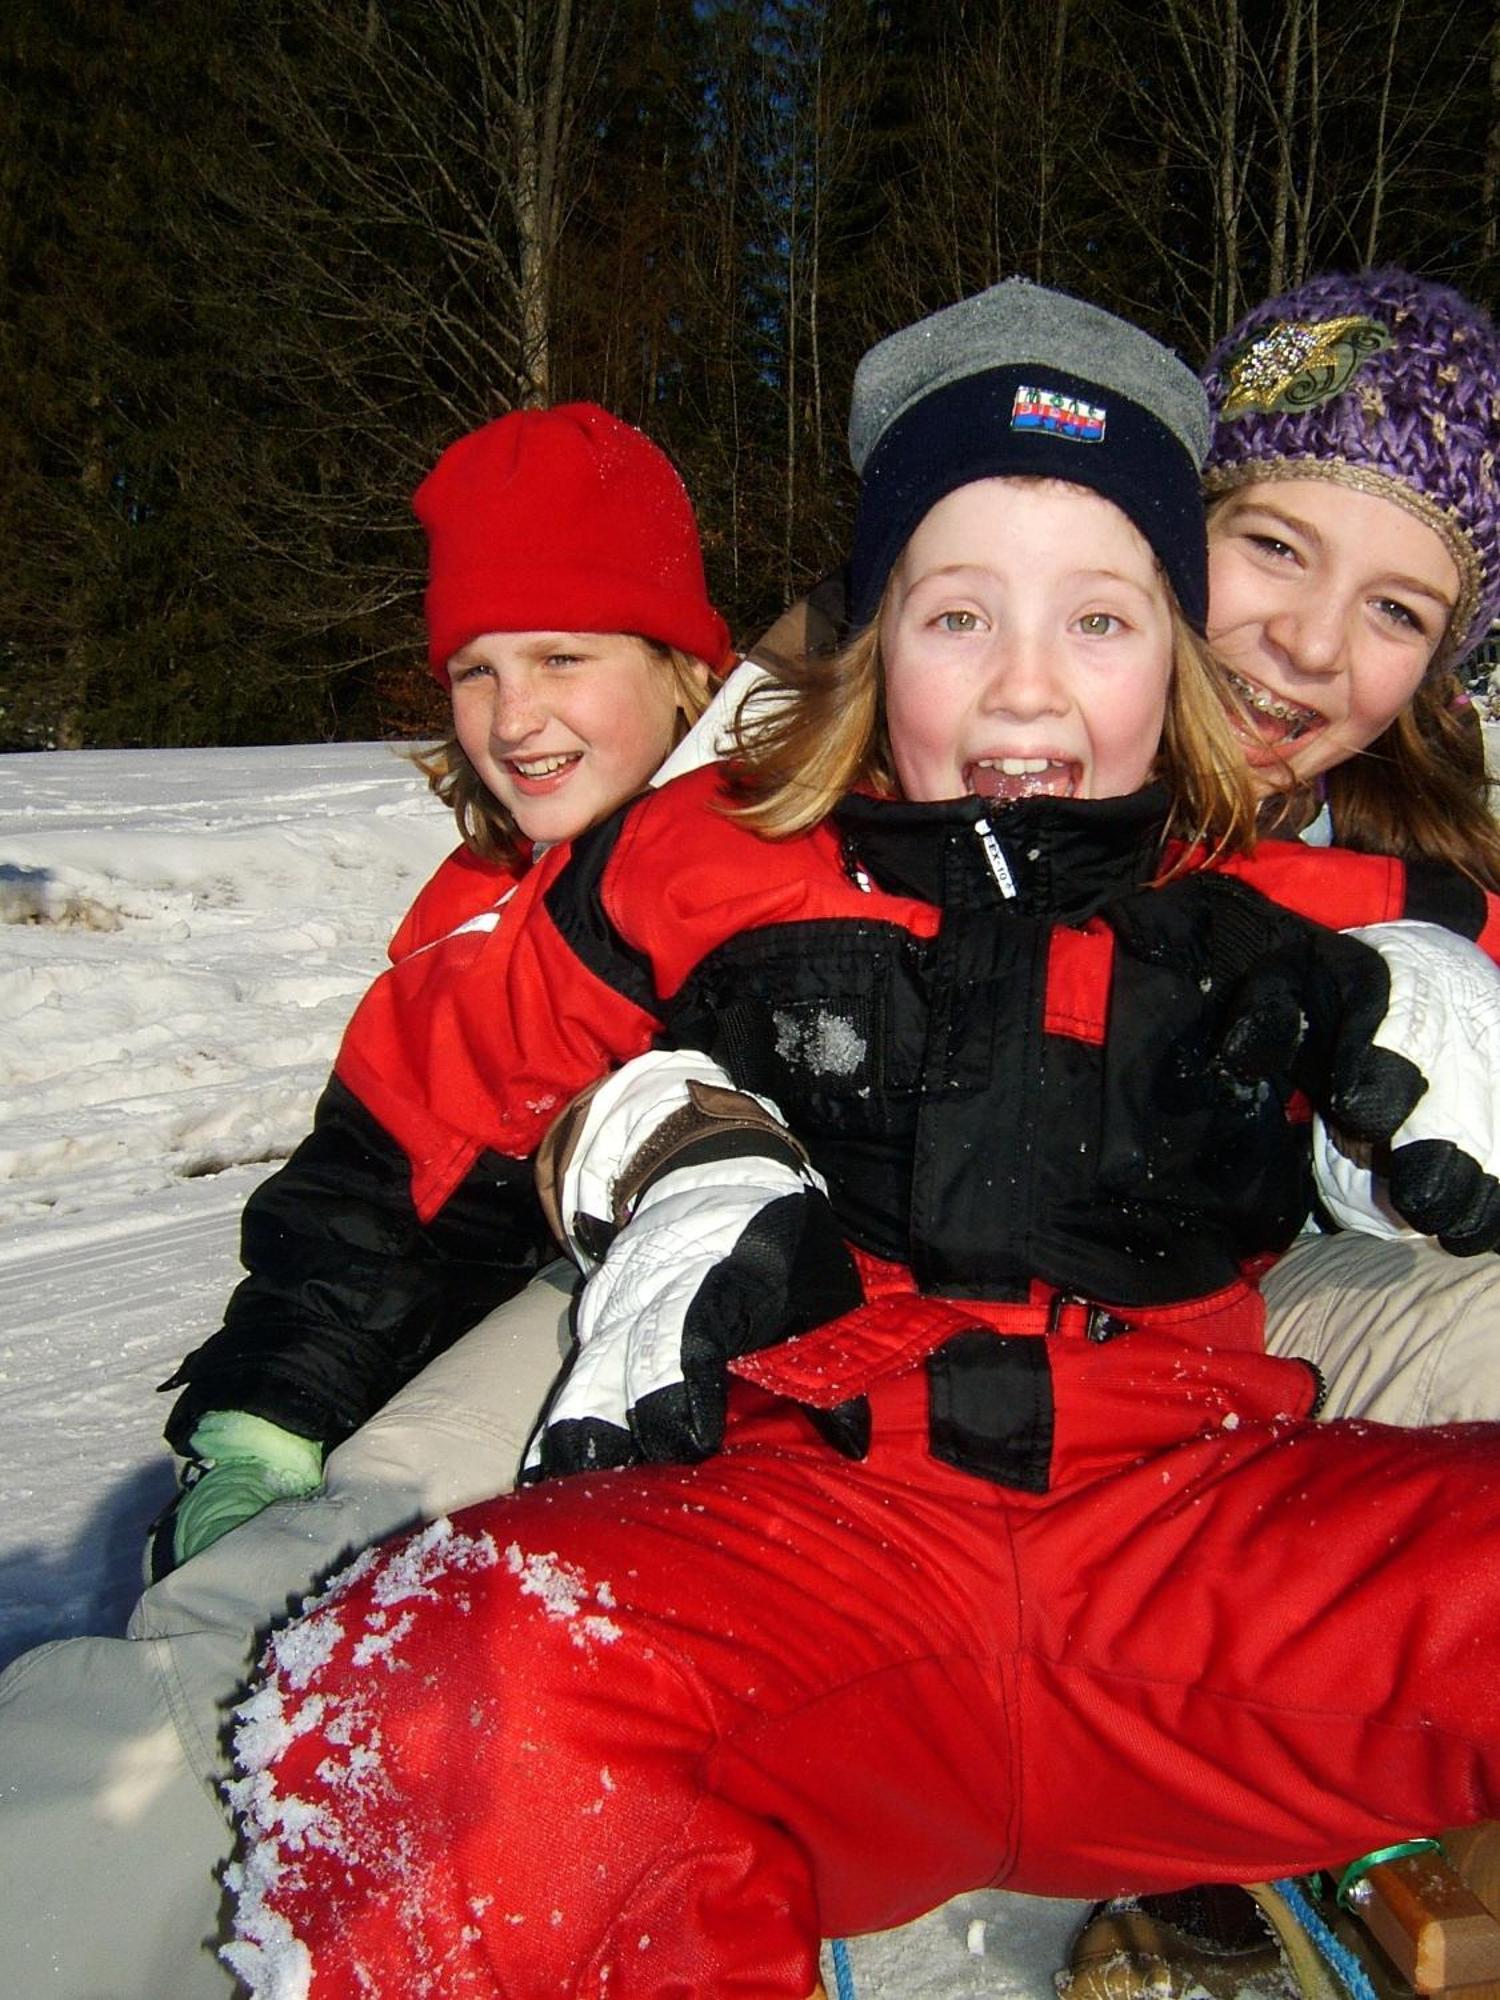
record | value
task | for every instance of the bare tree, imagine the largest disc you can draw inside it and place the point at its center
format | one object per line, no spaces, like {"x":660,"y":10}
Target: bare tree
{"x":1489,"y":193}
{"x":378,"y":237}
{"x":454,"y":129}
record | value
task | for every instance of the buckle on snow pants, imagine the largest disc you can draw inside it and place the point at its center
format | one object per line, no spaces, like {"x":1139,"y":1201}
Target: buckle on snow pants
{"x":1099,"y":1323}
{"x":990,"y":1409}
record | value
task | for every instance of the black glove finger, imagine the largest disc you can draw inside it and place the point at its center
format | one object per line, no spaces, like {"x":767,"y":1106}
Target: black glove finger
{"x":1373,"y":1092}
{"x":1443,"y":1191}
{"x":1266,"y":1025}
{"x":1346,"y":992}
{"x":684,"y":1421}
{"x":1480,"y":1229}
{"x":582,"y":1444}
{"x":846,"y":1426}
{"x":789,"y":1271}
{"x":1367,"y":1091}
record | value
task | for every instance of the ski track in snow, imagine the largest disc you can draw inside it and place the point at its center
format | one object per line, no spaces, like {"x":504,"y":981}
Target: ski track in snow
{"x":182,"y":936}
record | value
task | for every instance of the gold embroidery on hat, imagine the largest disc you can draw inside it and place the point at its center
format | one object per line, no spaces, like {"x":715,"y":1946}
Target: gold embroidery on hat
{"x":1297,"y":364}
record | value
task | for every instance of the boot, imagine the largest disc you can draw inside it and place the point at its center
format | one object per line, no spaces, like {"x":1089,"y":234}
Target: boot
{"x":1211,"y":1941}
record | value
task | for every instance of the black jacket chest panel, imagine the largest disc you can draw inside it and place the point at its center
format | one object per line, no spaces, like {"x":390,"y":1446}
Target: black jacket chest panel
{"x":913,"y":1070}
{"x":829,"y":1019}
{"x":959,"y":1136}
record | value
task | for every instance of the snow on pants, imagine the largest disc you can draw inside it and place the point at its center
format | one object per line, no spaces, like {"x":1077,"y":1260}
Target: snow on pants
{"x":651,"y":1733}
{"x":113,"y":1835}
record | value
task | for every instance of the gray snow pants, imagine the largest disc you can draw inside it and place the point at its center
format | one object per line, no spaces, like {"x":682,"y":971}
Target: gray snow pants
{"x":112,"y":1834}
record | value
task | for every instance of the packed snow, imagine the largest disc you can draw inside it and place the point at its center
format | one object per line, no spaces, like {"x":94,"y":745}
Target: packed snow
{"x":185,"y":934}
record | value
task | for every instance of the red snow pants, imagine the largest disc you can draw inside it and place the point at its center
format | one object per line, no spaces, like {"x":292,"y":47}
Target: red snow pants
{"x":648,"y":1735}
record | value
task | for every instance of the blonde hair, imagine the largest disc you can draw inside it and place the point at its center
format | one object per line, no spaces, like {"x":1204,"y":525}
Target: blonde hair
{"x":485,"y":826}
{"x":823,"y":733}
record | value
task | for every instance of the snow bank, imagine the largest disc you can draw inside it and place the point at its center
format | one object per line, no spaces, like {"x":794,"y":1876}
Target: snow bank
{"x":183,"y":935}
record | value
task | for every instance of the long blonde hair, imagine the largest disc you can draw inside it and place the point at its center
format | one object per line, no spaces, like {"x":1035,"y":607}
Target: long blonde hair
{"x":486,"y":827}
{"x":823,"y":732}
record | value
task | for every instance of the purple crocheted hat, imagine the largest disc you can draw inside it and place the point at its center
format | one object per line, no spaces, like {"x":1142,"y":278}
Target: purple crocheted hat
{"x":1382,"y":382}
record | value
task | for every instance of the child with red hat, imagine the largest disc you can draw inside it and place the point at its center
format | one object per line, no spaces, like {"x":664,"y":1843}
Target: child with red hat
{"x":567,"y":613}
{"x":568,"y":616}
{"x":552,"y":525}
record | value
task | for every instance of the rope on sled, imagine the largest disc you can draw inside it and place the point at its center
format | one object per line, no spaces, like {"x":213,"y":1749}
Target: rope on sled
{"x":843,"y":1971}
{"x":1340,"y":1960}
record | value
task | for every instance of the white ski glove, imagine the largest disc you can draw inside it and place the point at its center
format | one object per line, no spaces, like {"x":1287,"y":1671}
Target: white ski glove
{"x":1438,"y":1174}
{"x":714,"y":1237}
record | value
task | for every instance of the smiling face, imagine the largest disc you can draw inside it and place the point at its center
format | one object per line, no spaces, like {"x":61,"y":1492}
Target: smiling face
{"x":1327,"y":606}
{"x":562,"y":727}
{"x":1027,"y":647}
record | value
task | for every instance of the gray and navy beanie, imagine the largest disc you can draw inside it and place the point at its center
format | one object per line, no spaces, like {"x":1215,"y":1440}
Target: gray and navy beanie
{"x":1021,"y":382}
{"x":1383,"y":382}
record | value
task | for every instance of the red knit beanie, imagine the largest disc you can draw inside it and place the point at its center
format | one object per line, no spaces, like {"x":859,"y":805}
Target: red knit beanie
{"x":562,"y":520}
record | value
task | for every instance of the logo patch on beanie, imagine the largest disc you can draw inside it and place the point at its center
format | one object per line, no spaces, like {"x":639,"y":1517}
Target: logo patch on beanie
{"x":1060,"y":416}
{"x":1298,"y":364}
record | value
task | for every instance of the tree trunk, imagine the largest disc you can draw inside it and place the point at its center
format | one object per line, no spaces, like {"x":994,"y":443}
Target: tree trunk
{"x":1046,"y":154}
{"x":1490,"y":185}
{"x":1380,"y":169}
{"x":1285,"y":148}
{"x":1228,"y":188}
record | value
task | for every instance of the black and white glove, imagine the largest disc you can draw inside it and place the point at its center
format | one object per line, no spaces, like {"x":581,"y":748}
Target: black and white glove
{"x":1393,"y":1032}
{"x":1440,"y":1174}
{"x":705,"y":1233}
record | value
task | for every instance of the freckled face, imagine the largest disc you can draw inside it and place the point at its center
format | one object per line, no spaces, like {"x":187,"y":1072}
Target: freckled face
{"x":1027,"y":647}
{"x":1327,"y":606}
{"x":563,"y":726}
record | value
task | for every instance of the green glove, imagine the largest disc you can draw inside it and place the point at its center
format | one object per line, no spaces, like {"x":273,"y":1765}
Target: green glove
{"x":247,"y":1463}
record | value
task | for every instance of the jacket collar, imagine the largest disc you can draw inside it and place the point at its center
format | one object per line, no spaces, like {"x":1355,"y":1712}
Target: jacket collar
{"x":1043,"y":857}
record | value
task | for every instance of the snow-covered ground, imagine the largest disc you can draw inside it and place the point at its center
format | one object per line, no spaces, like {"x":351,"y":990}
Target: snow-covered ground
{"x":184,"y":935}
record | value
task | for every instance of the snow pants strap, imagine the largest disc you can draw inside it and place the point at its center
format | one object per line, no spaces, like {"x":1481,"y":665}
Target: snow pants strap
{"x":990,"y":1367}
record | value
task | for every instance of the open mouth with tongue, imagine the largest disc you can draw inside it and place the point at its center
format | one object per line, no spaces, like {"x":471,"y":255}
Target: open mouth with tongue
{"x":1006,"y":779}
{"x":1270,"y":719}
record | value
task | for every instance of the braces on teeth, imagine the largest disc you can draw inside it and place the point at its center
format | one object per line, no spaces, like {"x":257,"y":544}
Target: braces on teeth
{"x":1293,"y":713}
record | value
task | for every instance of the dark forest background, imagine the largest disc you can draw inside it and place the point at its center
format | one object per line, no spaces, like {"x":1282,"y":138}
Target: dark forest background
{"x":262,"y":261}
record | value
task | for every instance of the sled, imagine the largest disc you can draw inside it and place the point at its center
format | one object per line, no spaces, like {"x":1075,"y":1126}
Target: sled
{"x":1432,"y":1909}
{"x":1434,"y":1914}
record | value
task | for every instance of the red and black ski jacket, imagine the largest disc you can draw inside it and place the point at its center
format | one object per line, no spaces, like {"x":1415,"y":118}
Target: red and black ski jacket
{"x":996,"y":1040}
{"x":462,"y":886}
